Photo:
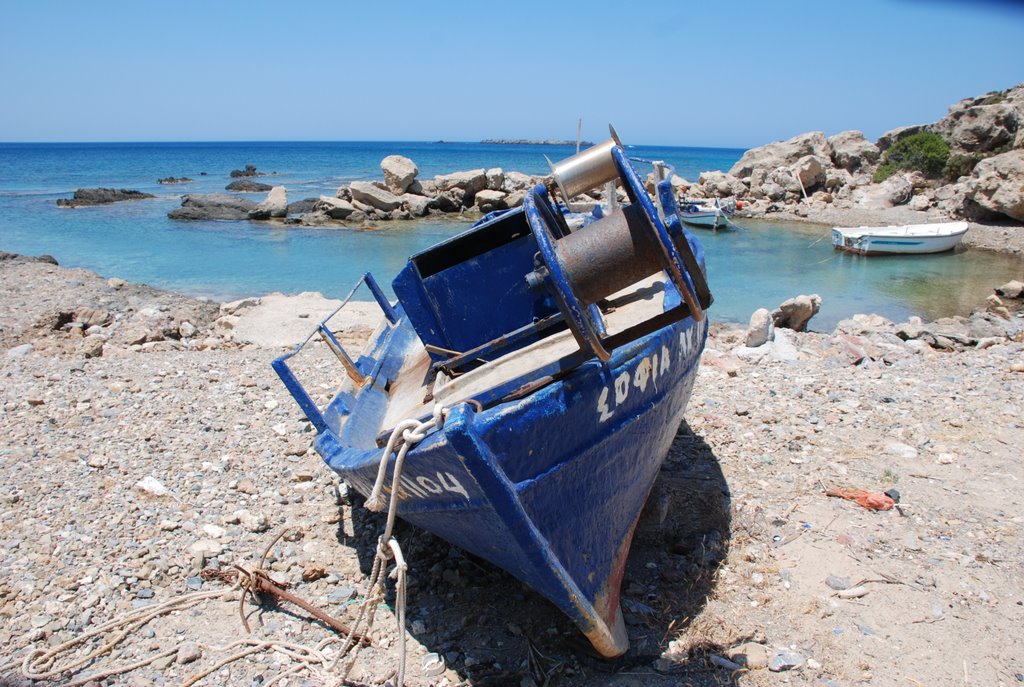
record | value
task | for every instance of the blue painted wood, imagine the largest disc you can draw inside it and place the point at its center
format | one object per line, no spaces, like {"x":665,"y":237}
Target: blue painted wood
{"x":549,"y":485}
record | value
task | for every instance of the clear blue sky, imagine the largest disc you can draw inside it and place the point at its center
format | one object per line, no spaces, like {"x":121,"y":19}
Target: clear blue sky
{"x":675,"y":73}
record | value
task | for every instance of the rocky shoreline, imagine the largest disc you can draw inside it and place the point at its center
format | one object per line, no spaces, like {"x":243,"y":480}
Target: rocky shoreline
{"x":147,"y":440}
{"x":841,"y":180}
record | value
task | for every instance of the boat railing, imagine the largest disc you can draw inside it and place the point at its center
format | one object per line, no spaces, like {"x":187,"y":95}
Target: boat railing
{"x":359,"y":377}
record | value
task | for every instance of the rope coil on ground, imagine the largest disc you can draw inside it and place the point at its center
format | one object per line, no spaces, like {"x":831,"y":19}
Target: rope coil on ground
{"x":38,"y":664}
{"x":41,"y":664}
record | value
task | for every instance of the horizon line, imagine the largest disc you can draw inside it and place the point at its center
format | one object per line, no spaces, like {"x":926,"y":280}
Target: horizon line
{"x":311,"y":140}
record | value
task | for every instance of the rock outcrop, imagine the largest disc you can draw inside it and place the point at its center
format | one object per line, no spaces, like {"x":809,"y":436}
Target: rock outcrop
{"x":997,"y":185}
{"x":335,"y":208}
{"x":796,"y":312}
{"x":213,"y":206}
{"x":781,"y":154}
{"x":274,"y":205}
{"x":85,"y":197}
{"x":248,"y":186}
{"x":983,"y":177}
{"x":990,"y":123}
{"x":249,"y":171}
{"x":851,"y":150}
{"x":375,"y":197}
{"x":399,"y":173}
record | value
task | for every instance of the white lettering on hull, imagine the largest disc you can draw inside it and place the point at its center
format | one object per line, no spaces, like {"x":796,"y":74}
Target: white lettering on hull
{"x":647,"y":371}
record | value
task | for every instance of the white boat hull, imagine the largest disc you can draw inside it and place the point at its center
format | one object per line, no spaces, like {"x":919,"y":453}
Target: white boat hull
{"x":906,"y":239}
{"x":705,"y":220}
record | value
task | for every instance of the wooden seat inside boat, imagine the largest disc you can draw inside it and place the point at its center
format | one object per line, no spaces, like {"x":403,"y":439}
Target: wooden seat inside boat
{"x":414,"y":385}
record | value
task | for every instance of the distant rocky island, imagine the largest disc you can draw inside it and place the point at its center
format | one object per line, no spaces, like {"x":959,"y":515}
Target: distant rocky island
{"x":534,"y":142}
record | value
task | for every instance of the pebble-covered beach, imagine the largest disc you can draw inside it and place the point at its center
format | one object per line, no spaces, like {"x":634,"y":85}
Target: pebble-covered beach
{"x":147,"y":440}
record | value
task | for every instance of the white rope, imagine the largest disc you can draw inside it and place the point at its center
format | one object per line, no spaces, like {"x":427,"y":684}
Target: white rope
{"x":39,"y":664}
{"x":410,"y":432}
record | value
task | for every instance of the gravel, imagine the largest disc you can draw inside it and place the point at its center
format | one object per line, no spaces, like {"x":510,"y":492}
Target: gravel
{"x":125,"y":472}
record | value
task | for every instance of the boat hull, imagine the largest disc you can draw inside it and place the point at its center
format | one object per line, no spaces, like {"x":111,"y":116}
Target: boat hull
{"x":705,"y":220}
{"x":554,"y":508}
{"x":881,"y":242}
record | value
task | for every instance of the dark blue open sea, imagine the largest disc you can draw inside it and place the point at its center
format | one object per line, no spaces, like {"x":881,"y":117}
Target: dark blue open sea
{"x":759,"y":265}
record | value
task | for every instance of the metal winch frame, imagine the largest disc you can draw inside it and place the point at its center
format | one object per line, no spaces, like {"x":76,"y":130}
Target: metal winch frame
{"x":582,"y":267}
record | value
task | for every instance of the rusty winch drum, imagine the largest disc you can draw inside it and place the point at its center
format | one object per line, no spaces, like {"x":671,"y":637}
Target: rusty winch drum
{"x":582,"y":267}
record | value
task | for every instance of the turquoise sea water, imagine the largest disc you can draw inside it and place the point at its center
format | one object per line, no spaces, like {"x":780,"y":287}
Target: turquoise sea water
{"x":758,"y":265}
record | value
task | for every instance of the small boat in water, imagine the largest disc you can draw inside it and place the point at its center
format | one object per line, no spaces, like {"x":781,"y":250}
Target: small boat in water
{"x":530,"y":377}
{"x":907,"y":238}
{"x":706,"y":214}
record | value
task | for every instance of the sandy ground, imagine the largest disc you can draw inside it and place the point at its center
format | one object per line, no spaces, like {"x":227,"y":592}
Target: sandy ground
{"x":127,"y":471}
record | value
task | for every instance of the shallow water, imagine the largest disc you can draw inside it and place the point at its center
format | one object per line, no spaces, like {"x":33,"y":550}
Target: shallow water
{"x":759,"y":264}
{"x":762,"y":263}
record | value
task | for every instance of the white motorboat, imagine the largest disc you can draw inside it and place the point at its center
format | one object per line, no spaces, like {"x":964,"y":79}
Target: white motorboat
{"x":706,"y":214}
{"x":908,"y":238}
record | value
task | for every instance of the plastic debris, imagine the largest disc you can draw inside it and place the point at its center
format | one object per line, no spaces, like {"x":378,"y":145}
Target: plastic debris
{"x":867,"y":499}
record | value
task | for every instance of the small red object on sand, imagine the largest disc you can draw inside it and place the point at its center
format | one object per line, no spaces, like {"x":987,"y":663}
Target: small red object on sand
{"x":868,"y":499}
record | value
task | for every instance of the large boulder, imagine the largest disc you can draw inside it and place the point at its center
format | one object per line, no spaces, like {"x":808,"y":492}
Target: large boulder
{"x":470,"y":182}
{"x":85,"y":197}
{"x":896,"y":190}
{"x":997,"y":185}
{"x":200,"y":206}
{"x":851,"y":151}
{"x":274,"y":205}
{"x":370,"y":194}
{"x":335,"y":208}
{"x":300,"y":206}
{"x":517,"y":181}
{"x":785,"y":178}
{"x":761,"y":330}
{"x":796,"y":312}
{"x":489,"y":201}
{"x":399,"y":173}
{"x":416,"y":205}
{"x":782,"y":153}
{"x":495,"y":178}
{"x":810,"y":171}
{"x":984,"y":124}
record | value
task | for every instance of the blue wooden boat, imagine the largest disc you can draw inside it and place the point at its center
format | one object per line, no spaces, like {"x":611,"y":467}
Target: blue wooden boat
{"x":562,"y":348}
